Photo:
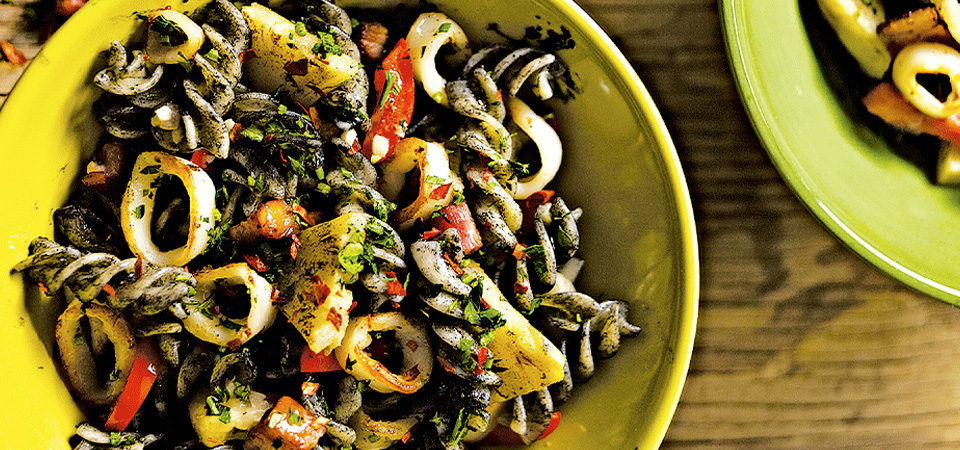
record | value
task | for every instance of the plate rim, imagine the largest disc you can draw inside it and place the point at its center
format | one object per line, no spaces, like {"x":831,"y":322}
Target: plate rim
{"x":748,"y":83}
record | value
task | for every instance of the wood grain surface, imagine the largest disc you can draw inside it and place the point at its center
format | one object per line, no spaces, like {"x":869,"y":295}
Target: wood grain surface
{"x":800,"y":344}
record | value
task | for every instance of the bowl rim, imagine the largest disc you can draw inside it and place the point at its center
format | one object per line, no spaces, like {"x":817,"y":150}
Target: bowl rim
{"x":687,"y":306}
{"x":690,"y":273}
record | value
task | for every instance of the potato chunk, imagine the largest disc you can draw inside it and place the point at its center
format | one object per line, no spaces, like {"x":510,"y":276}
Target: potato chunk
{"x":288,"y":58}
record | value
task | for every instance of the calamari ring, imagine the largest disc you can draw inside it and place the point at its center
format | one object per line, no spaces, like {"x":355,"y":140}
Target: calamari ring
{"x":161,"y":53}
{"x":430,"y":32}
{"x":437,"y":183}
{"x":548,"y":144}
{"x":137,"y":207}
{"x":928,"y":58}
{"x":76,"y":350}
{"x":211,"y":326}
{"x":414,"y":342}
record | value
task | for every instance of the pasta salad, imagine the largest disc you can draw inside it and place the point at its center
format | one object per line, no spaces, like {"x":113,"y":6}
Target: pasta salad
{"x":312,"y":228}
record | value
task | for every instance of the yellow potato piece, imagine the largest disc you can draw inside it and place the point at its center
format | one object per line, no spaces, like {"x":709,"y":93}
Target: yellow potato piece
{"x":286,"y":60}
{"x":322,"y":322}
{"x":523,"y":357}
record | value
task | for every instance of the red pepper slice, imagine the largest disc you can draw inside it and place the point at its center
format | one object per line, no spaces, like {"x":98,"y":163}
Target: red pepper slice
{"x":142,"y":376}
{"x":530,"y":204}
{"x":395,"y":89}
{"x":311,"y":361}
{"x":458,"y":217}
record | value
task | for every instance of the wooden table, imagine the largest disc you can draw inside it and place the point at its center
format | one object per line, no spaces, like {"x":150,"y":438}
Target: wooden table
{"x":800,"y":343}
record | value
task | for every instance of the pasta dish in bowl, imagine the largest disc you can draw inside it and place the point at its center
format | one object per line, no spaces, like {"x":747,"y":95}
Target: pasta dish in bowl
{"x":305,"y":225}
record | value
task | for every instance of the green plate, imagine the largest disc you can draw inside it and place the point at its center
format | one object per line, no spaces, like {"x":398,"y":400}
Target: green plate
{"x":620,"y":166}
{"x":801,"y":92}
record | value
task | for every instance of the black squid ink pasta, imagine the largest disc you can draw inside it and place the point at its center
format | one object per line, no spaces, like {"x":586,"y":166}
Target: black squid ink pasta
{"x":313,"y":228}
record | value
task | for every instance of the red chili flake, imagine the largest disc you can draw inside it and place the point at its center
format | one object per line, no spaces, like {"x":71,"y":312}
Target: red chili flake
{"x":499,"y":94}
{"x":430,"y":234}
{"x":255,"y":262}
{"x":274,"y":293}
{"x":138,"y":268}
{"x":247,"y":55}
{"x":412,"y":372}
{"x":298,"y":67}
{"x":309,"y":388}
{"x":109,"y":290}
{"x":482,"y":355}
{"x":519,"y":288}
{"x":43,"y":288}
{"x":355,"y":147}
{"x":320,"y":290}
{"x":413,"y":345}
{"x":314,"y":117}
{"x":406,"y":436}
{"x":446,"y":365}
{"x":394,"y":286}
{"x":456,"y":268}
{"x":335,"y":319}
{"x":440,"y":192}
{"x":352,"y":305}
{"x":235,"y":132}
{"x":310,"y":219}
{"x":294,"y":246}
{"x":94,"y":179}
{"x":518,"y":251}
{"x":202,"y":158}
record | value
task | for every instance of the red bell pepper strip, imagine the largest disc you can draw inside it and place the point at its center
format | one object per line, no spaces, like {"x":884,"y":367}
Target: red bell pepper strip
{"x":311,"y":361}
{"x":886,"y":102}
{"x":529,"y":207}
{"x":395,"y":89}
{"x":458,"y":217}
{"x":142,"y":376}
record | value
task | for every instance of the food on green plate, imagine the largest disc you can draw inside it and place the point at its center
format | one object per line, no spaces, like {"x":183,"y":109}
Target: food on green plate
{"x":264,"y":254}
{"x":913,"y":56}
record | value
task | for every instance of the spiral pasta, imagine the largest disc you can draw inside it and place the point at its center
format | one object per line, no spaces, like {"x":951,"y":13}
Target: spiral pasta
{"x":418,"y":290}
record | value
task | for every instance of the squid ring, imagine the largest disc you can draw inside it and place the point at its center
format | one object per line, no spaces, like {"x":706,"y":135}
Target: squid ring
{"x":430,"y":32}
{"x":928,"y":58}
{"x":437,"y":186}
{"x":548,"y":143}
{"x":77,"y":351}
{"x":160,"y":48}
{"x":137,"y":207}
{"x":209,"y":325}
{"x":414,"y":342}
{"x":378,"y":434}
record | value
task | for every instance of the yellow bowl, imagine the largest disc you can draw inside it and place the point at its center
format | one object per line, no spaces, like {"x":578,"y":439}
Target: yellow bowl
{"x":620,"y":166}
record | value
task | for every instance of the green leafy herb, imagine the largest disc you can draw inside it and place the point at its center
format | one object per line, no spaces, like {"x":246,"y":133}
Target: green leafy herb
{"x":445,"y":27}
{"x":139,"y":211}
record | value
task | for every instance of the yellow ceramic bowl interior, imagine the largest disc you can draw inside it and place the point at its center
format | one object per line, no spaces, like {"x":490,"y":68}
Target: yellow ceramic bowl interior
{"x":620,"y":166}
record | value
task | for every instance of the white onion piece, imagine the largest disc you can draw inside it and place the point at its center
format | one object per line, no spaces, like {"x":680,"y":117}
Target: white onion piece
{"x":425,"y":39}
{"x":137,"y":207}
{"x":209,"y":325}
{"x":548,"y":143}
{"x":414,"y":342}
